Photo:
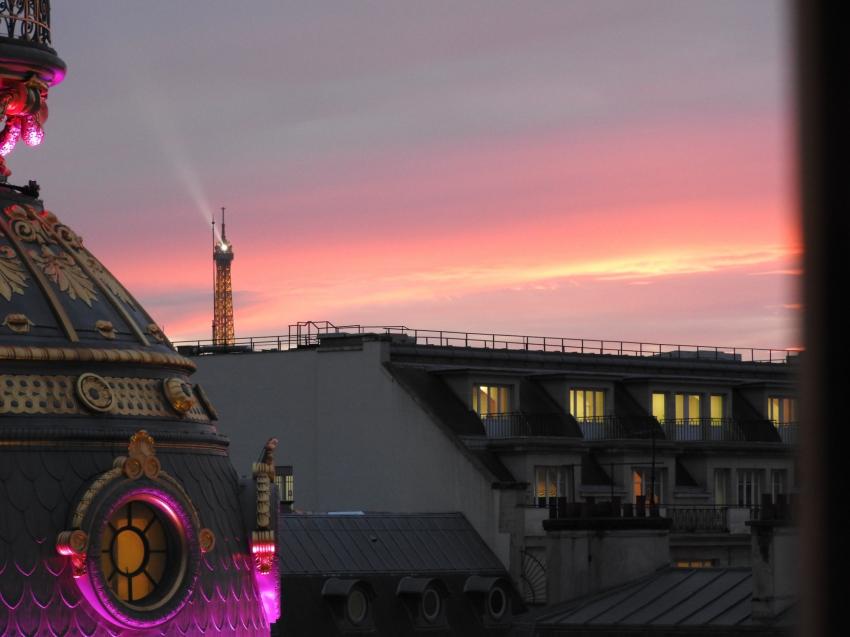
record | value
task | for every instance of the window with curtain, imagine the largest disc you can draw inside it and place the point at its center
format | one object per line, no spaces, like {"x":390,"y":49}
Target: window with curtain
{"x":552,"y":482}
{"x":491,"y":399}
{"x":587,"y":404}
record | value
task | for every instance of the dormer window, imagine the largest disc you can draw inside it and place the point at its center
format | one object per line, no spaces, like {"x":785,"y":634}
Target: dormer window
{"x":782,"y":410}
{"x":488,"y":400}
{"x":587,"y":404}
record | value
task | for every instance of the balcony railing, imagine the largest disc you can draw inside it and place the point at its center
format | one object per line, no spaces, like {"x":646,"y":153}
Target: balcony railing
{"x":26,"y":20}
{"x":787,"y":432}
{"x":516,"y":425}
{"x":602,"y":428}
{"x":702,"y":429}
{"x":309,"y":333}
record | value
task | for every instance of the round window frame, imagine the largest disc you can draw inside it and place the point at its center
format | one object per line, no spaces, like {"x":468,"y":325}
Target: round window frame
{"x":357,"y":621}
{"x":490,"y":595}
{"x":431,"y":618}
{"x":181,"y":530}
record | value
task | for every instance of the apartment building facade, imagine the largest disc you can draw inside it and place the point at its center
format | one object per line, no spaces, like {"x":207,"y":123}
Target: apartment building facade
{"x":512,"y":431}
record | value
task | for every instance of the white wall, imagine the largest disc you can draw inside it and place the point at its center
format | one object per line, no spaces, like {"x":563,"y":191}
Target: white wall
{"x":355,"y":438}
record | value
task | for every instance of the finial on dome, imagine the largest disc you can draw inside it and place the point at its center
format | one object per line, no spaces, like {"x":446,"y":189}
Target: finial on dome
{"x":28,"y":68}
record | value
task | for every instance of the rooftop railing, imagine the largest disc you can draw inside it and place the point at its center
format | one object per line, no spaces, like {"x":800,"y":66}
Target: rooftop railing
{"x":26,"y":20}
{"x":310,"y":333}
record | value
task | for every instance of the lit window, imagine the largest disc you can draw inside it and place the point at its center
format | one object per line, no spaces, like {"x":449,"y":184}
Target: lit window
{"x":782,"y":410}
{"x":285,"y":483}
{"x":694,"y":563}
{"x":718,"y":409}
{"x":587,"y":404}
{"x":659,"y":406}
{"x":551,"y":483}
{"x":135,"y":554}
{"x":642,"y":483}
{"x":491,"y":399}
{"x":687,"y":408}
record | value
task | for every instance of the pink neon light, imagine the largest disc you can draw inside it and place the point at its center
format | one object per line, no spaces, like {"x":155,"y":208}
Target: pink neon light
{"x":10,"y":135}
{"x":31,"y":131}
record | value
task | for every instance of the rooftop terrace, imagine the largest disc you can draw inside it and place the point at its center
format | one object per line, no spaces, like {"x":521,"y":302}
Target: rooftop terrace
{"x":310,"y":333}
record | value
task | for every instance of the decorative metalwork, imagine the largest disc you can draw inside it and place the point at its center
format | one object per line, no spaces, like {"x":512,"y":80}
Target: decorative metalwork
{"x":13,"y":279}
{"x":92,"y":355}
{"x":532,"y":579}
{"x":66,"y":274}
{"x":94,"y":392}
{"x":179,"y":394}
{"x":105,"y":329}
{"x":26,"y":20}
{"x":59,"y":395}
{"x":18,"y":323}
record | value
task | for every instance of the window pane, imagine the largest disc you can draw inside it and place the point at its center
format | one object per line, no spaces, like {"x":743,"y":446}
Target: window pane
{"x":579,"y":404}
{"x":540,"y":482}
{"x":717,"y":407}
{"x":573,"y":403}
{"x":773,"y":409}
{"x":588,"y":404}
{"x":693,"y":407}
{"x":680,"y":406}
{"x":658,"y":406}
{"x":600,"y":404}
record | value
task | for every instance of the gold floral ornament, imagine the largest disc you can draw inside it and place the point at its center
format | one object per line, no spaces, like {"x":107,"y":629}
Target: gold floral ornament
{"x":94,"y":392}
{"x":142,"y":458}
{"x":106,"y":279}
{"x":65,"y":273}
{"x":12,"y":276}
{"x":18,"y":323}
{"x":31,"y":226}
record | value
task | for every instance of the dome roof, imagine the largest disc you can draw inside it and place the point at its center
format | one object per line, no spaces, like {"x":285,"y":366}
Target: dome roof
{"x":55,"y":293}
{"x":90,"y":350}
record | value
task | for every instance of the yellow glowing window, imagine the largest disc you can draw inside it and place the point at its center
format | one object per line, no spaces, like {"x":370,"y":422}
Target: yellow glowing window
{"x":718,"y":411}
{"x":587,"y":404}
{"x":687,"y":408}
{"x":491,"y":399}
{"x":134,"y":553}
{"x":694,"y":563}
{"x":782,"y":410}
{"x":659,"y":406}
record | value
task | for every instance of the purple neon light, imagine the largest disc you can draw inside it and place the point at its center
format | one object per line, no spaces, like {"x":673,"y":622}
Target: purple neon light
{"x":95,"y":589}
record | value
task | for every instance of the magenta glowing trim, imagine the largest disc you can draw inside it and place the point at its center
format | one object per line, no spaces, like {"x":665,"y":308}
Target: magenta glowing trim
{"x":10,"y":135}
{"x":266,"y":577}
{"x":31,"y":131}
{"x":96,"y":591}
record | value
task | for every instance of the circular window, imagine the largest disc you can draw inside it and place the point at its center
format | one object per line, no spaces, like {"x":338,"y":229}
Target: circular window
{"x":356,"y":606}
{"x":432,"y":604}
{"x":497,"y":603}
{"x":138,"y":549}
{"x":143,"y":557}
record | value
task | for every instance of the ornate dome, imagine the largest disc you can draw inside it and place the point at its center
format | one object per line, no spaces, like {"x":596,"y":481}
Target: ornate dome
{"x":97,"y":536}
{"x":119,"y":509}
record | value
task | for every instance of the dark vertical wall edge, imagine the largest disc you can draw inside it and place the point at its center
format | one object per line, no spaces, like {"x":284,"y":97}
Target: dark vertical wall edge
{"x":822,"y":141}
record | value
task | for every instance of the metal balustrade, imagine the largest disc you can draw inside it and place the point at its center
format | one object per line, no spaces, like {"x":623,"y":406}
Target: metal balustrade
{"x":788,"y":432}
{"x":26,"y":20}
{"x":702,"y":429}
{"x":310,"y":333}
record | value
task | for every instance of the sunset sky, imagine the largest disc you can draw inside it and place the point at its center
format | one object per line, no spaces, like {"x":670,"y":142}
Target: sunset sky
{"x":606,"y":169}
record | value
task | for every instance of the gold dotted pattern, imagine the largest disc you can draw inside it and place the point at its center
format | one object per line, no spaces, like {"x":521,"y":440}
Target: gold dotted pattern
{"x":141,"y":397}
